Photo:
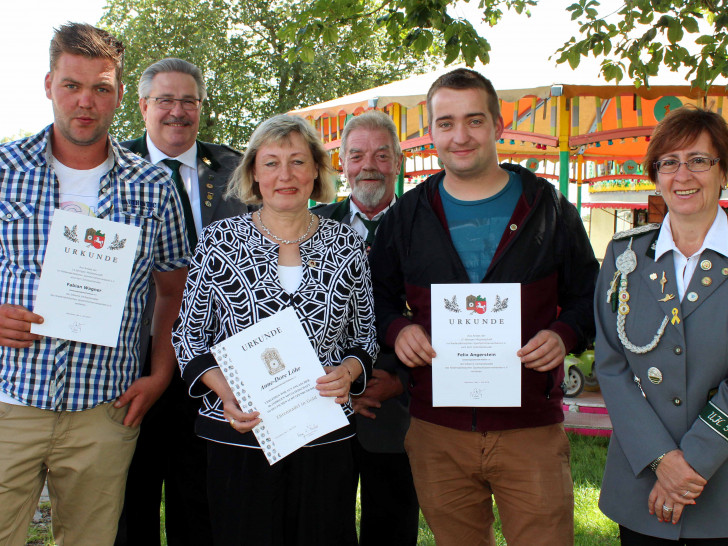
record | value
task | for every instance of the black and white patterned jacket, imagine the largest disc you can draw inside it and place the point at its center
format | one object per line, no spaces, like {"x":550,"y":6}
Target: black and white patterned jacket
{"x":233,"y":283}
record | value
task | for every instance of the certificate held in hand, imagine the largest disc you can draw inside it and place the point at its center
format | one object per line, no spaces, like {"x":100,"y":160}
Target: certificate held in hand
{"x":272,"y":368}
{"x":84,"y":283}
{"x":476,"y":333}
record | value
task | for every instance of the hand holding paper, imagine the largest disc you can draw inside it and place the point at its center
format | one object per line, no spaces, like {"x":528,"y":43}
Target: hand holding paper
{"x":338,"y":379}
{"x":413,"y":346}
{"x":271,"y":368}
{"x":544,"y":351}
{"x":15,"y":323}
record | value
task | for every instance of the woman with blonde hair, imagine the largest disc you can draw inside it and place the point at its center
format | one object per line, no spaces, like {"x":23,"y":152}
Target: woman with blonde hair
{"x":246,"y":269}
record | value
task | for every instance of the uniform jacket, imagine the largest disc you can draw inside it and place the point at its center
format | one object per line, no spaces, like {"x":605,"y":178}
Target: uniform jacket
{"x":545,"y":248}
{"x":692,"y":357}
{"x":386,"y":433}
{"x":215,"y":164}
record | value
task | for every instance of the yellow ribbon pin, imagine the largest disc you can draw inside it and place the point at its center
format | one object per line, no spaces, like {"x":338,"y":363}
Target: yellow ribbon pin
{"x":675,"y":318}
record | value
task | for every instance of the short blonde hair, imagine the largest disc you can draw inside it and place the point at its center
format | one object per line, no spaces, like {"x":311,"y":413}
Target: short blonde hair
{"x":278,"y":129}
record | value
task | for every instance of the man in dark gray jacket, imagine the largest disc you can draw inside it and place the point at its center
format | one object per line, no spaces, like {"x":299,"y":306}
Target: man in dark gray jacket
{"x":171,"y":93}
{"x":371,"y":158}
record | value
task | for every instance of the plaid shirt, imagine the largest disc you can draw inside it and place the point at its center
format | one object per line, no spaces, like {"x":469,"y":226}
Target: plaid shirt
{"x":57,"y":374}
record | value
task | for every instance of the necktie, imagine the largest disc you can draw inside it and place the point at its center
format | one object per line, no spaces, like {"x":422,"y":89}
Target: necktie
{"x":186,"y":207}
{"x":371,"y":226}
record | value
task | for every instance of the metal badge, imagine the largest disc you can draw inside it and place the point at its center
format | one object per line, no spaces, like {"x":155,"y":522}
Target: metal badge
{"x":208,"y":185}
{"x":654,"y":375}
{"x":513,"y":227}
{"x":692,"y":296}
{"x":653,"y":276}
{"x":624,"y":296}
{"x":706,"y":281}
{"x":724,"y":271}
{"x":667,"y":297}
{"x":705,"y":265}
{"x":208,"y":204}
{"x":623,"y":309}
{"x":675,"y":316}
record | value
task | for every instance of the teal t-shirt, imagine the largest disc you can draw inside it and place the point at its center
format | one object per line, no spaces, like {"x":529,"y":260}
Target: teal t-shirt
{"x":476,"y":227}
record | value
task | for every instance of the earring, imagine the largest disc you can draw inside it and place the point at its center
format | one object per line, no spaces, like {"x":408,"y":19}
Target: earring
{"x":657,"y":192}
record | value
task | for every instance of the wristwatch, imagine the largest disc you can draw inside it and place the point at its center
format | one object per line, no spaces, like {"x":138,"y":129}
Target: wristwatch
{"x":654,"y":464}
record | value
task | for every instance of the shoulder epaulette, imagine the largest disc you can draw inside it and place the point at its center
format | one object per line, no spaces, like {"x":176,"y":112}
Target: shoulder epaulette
{"x":641,"y":230}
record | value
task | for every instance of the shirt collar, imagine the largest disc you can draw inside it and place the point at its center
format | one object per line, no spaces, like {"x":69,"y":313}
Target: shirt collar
{"x":716,"y":239}
{"x":188,"y":157}
{"x":355,"y":210}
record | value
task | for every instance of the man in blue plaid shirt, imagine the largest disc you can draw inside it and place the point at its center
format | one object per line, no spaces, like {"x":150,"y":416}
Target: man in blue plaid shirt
{"x":69,"y":410}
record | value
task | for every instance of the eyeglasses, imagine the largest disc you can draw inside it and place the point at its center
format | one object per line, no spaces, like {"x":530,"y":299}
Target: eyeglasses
{"x":695,"y":165}
{"x":167,"y":103}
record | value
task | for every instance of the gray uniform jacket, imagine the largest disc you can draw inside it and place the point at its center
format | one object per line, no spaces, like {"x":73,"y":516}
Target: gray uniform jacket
{"x":215,"y":164}
{"x":676,"y":411}
{"x":386,"y":433}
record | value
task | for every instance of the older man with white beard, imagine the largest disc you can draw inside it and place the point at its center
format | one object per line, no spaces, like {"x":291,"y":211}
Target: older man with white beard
{"x":372,"y":159}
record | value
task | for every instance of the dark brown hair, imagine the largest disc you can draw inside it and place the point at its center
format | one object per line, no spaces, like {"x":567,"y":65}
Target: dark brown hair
{"x":464,"y":78}
{"x":681,"y":128}
{"x":87,"y":41}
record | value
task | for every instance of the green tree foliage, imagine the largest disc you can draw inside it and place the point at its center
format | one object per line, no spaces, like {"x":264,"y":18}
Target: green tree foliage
{"x":251,"y":68}
{"x":638,"y":38}
{"x":644,"y":35}
{"x":18,"y":136}
{"x":411,"y":25}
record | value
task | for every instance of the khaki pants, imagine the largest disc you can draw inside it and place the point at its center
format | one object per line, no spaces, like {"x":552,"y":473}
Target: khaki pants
{"x":85,"y":455}
{"x":458,"y":473}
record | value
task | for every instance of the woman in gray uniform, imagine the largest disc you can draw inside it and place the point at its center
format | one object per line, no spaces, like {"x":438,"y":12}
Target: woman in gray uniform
{"x":662,"y":350}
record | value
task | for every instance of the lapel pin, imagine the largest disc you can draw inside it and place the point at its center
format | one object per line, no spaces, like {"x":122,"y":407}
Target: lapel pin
{"x":667,"y":297}
{"x":705,"y":265}
{"x":706,"y":281}
{"x":663,"y":282}
{"x":692,"y":296}
{"x":653,"y":276}
{"x":654,"y":375}
{"x":208,"y":204}
{"x":207,"y":161}
{"x":675,"y":318}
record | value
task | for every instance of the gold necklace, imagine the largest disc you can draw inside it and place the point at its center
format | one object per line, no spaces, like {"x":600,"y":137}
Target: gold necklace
{"x":286,"y":241}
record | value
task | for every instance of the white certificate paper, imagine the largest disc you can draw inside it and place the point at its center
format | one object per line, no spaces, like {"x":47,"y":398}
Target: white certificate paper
{"x":85,"y":278}
{"x":476,"y":332}
{"x":272,"y":368}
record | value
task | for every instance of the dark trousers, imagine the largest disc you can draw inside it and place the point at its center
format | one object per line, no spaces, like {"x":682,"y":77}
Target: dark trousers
{"x":389,"y":509}
{"x":302,"y":500}
{"x":631,"y":538}
{"x":168,"y":452}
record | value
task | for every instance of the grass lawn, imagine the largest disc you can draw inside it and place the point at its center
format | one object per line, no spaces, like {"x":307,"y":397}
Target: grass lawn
{"x":592,"y":528}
